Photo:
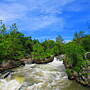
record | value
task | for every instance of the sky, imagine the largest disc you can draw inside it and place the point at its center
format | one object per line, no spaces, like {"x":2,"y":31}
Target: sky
{"x":45,"y":19}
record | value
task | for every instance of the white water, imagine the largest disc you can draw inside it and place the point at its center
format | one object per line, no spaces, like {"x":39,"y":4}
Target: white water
{"x":9,"y":85}
{"x":49,"y":76}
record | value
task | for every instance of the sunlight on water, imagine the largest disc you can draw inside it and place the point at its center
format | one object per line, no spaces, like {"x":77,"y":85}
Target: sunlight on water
{"x":20,"y":79}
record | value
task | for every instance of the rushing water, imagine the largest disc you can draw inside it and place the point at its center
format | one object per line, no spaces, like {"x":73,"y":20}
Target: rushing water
{"x":49,"y":76}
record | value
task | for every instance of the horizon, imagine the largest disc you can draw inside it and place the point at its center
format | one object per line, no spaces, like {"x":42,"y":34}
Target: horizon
{"x":45,"y":19}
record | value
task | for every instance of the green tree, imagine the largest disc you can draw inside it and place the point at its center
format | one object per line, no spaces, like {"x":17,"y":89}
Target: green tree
{"x":48,"y":47}
{"x":27,"y":43}
{"x":78,"y":35}
{"x":59,"y":39}
{"x":75,"y":54}
{"x":38,"y":51}
{"x":85,"y":43}
{"x":10,"y":44}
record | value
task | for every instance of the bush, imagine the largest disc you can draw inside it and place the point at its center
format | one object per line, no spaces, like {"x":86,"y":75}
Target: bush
{"x":69,"y":72}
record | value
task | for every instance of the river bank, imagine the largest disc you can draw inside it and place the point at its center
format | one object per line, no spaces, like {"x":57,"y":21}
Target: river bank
{"x":82,"y":77}
{"x":10,"y":64}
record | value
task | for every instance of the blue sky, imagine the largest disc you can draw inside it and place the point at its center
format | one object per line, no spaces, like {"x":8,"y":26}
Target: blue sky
{"x":45,"y":19}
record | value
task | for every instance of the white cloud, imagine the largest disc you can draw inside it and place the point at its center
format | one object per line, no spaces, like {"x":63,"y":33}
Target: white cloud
{"x":26,"y":11}
{"x":13,"y":11}
{"x":42,"y":22}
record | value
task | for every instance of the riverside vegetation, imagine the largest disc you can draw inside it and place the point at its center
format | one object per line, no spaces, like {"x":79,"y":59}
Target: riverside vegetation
{"x":15,"y":49}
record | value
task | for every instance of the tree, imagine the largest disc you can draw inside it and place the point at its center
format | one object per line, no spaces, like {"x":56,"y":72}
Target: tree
{"x":59,"y":39}
{"x":38,"y":51}
{"x":10,"y":44}
{"x":27,"y":43}
{"x":75,"y":54}
{"x":16,"y":48}
{"x":78,"y":35}
{"x":2,"y":40}
{"x":48,"y":47}
{"x":48,"y":44}
{"x":85,"y":43}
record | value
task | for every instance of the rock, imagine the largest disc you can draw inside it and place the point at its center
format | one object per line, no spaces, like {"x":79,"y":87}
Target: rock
{"x":6,"y":75}
{"x":88,"y":75}
{"x":84,"y":76}
{"x":43,"y":61}
{"x":87,"y":55}
{"x":27,"y":61}
{"x":61,"y":57}
{"x":75,"y":74}
{"x":10,"y":64}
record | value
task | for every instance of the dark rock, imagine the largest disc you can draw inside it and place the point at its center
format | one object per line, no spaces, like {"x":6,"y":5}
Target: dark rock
{"x":5,"y":74}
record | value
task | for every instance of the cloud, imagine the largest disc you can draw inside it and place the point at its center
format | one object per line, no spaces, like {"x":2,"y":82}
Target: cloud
{"x":42,"y":23}
{"x":33,"y":14}
{"x":10,"y":11}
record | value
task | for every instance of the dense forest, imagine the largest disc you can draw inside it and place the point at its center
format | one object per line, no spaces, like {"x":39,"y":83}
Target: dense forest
{"x":14,"y":46}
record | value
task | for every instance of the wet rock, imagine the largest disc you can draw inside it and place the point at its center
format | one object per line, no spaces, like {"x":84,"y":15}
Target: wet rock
{"x":61,"y":57}
{"x":84,"y":76}
{"x":10,"y":64}
{"x":87,"y":55}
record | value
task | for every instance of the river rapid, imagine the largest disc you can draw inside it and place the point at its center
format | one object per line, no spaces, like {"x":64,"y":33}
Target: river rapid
{"x":49,"y":76}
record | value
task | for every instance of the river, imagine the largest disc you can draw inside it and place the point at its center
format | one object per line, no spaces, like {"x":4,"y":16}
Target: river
{"x":49,"y":76}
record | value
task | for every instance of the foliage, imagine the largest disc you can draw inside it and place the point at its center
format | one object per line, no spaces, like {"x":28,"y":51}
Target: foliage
{"x":75,"y":54}
{"x":38,"y":51}
{"x":10,"y":44}
{"x":85,"y":43}
{"x":78,"y":35}
{"x":14,"y":45}
{"x":69,"y":72}
{"x":59,"y":39}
